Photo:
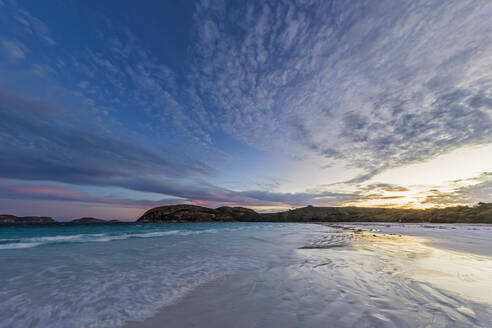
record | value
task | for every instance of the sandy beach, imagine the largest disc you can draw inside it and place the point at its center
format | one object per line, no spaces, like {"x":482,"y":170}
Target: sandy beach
{"x":246,"y":275}
{"x":354,"y":275}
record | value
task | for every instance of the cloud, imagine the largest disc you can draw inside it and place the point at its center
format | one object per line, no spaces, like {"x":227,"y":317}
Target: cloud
{"x":384,"y":187}
{"x":377,"y":84}
{"x":370,"y":85}
{"x":140,"y":83}
{"x":83,"y":84}
{"x":31,"y":24}
{"x":14,"y":49}
{"x":63,"y":201}
{"x":57,"y":193}
{"x":39,"y":142}
{"x":465,"y":192}
{"x":205,"y":194}
{"x":299,"y":199}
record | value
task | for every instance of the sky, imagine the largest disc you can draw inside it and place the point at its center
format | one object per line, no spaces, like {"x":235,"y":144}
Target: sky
{"x":109,"y":108}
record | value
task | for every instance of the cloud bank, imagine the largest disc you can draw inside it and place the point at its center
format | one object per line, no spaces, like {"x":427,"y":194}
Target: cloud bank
{"x":368,"y":86}
{"x":378,"y":84}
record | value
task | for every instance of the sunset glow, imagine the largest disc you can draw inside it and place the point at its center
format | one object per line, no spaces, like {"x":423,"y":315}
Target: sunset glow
{"x":270,"y":106}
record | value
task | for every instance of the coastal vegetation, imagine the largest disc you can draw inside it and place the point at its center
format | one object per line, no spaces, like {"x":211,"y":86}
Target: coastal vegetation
{"x":481,"y":213}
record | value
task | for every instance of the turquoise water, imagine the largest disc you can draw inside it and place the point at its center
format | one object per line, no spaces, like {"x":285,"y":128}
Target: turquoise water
{"x":106,"y":275}
{"x":110,"y":275}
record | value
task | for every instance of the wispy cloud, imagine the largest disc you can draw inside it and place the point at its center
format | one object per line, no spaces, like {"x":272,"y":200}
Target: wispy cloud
{"x":31,"y":24}
{"x":377,"y":84}
{"x":40,"y":143}
{"x":31,"y":192}
{"x":366,"y":85}
{"x":83,"y":84}
{"x":463,"y":192}
{"x":14,"y":49}
{"x":36,"y":147}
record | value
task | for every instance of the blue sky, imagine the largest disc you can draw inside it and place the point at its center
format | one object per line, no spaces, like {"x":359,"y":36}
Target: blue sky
{"x":108,"y":108}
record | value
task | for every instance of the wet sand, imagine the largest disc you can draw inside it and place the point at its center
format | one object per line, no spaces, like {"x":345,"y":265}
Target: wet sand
{"x":353,"y":275}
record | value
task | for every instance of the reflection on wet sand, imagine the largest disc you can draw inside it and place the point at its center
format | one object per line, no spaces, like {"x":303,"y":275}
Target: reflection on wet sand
{"x":346,"y":276}
{"x":468,"y":275}
{"x":443,"y":286}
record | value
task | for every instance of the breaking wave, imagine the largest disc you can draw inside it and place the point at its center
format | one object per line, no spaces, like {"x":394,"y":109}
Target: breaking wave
{"x":87,"y":238}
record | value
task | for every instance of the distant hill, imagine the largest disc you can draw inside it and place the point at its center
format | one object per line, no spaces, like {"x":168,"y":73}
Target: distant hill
{"x":92,"y":221}
{"x":12,"y":219}
{"x":193,"y":213}
{"x":8,"y":219}
{"x":482,"y":213}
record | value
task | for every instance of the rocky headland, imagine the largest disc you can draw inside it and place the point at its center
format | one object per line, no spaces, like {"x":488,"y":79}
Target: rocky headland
{"x":193,"y":213}
{"x":481,"y":213}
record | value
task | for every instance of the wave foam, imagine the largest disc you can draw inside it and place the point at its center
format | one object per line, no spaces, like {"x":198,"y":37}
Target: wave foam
{"x":85,"y":238}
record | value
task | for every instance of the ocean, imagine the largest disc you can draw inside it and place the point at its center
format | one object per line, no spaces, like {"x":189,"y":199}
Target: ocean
{"x":245,"y":275}
{"x":106,"y":275}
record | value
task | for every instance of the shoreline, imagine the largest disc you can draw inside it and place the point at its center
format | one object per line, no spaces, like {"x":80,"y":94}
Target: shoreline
{"x":458,"y":237}
{"x":298,"y":293}
{"x":187,"y":213}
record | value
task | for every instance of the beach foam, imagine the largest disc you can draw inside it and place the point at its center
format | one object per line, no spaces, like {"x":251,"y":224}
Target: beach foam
{"x":85,"y":238}
{"x":263,"y":275}
{"x":105,"y":276}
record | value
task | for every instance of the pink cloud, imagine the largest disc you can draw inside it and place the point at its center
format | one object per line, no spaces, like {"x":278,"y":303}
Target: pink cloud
{"x":43,"y":190}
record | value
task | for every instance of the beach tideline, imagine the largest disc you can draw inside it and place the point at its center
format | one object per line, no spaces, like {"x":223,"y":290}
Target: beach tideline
{"x":348,"y":277}
{"x":468,"y":275}
{"x":246,"y":275}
